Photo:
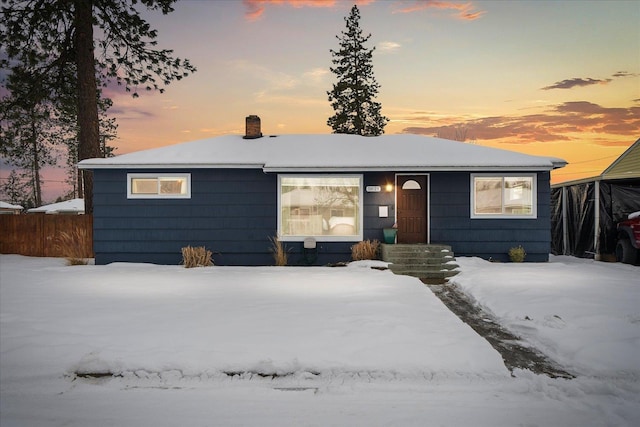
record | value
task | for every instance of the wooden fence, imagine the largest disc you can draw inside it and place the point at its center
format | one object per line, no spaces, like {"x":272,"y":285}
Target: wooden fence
{"x":47,"y":235}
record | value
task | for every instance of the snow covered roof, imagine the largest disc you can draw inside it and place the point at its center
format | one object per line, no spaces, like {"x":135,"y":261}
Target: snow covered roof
{"x":329,"y":152}
{"x":5,"y":205}
{"x":69,"y":206}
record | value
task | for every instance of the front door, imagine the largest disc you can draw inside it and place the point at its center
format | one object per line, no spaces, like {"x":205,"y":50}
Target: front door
{"x":411,"y":208}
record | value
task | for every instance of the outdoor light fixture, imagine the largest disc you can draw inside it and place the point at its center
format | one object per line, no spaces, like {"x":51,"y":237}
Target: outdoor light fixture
{"x":388,"y":188}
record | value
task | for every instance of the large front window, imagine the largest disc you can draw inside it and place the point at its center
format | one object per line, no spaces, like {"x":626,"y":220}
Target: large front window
{"x":503,"y":196}
{"x":328,"y":208}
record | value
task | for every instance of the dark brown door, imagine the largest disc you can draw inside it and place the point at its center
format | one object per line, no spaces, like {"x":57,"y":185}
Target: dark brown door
{"x":412,"y":208}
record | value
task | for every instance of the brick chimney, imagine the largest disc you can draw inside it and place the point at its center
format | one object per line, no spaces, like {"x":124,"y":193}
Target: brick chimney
{"x":253,"y":130}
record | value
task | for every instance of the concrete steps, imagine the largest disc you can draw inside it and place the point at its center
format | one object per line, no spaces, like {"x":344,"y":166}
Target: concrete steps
{"x":434,"y":263}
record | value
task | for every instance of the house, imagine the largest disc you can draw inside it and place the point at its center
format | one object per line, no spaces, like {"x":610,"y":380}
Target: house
{"x":231,"y":193}
{"x":585,"y":211}
{"x":9,"y":209}
{"x":68,"y":207}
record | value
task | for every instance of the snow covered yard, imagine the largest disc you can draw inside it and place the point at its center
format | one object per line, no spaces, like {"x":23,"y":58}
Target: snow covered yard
{"x":583,"y":314}
{"x":309,"y":346}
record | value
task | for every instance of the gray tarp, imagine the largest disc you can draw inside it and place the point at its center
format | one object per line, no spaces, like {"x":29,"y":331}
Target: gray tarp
{"x":573,"y":223}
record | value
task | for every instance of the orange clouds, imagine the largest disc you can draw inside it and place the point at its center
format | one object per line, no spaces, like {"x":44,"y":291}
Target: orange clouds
{"x":560,"y":123}
{"x":464,"y":10}
{"x":255,"y":8}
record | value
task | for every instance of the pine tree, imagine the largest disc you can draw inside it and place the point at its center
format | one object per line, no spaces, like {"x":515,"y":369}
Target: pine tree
{"x":15,"y":190}
{"x":28,"y":131}
{"x":50,"y":37}
{"x":352,"y":98}
{"x":107,"y":132}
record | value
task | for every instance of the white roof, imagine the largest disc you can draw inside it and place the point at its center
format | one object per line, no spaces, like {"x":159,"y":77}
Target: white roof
{"x":329,"y":152}
{"x":5,"y":205}
{"x":69,"y":206}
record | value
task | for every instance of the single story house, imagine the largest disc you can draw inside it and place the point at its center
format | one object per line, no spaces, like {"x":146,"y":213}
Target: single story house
{"x":9,"y":209}
{"x":585,"y":212}
{"x":232,"y":193}
{"x":68,"y":207}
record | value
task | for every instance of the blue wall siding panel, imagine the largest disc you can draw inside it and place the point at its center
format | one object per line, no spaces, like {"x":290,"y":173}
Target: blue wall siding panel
{"x":451,"y":221}
{"x":373,"y":224}
{"x":233,"y":212}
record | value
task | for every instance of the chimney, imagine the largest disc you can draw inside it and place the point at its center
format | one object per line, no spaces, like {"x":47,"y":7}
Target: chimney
{"x":253,"y":130}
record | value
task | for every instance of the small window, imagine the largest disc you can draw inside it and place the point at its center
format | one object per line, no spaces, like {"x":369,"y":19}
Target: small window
{"x":411,"y":185}
{"x":152,"y":186}
{"x":328,"y":208}
{"x":497,"y":196}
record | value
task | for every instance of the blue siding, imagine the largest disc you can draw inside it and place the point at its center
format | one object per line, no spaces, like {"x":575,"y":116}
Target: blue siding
{"x":451,"y":222}
{"x":233,"y":212}
{"x":373,"y":225}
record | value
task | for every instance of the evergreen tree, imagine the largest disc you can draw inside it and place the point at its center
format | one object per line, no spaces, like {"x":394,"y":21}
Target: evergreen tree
{"x":35,"y":130}
{"x":49,"y":37}
{"x":28,"y":132}
{"x":15,"y":190}
{"x":352,"y":98}
{"x":107,"y":132}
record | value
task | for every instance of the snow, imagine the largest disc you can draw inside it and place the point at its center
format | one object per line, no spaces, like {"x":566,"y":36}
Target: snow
{"x":5,"y":205}
{"x":333,"y":152}
{"x":582,"y":313}
{"x":68,"y":206}
{"x":347,"y":345}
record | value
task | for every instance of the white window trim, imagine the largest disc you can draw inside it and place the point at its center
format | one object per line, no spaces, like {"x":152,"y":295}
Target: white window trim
{"x":323,"y":238}
{"x":534,"y":195}
{"x":131,"y":195}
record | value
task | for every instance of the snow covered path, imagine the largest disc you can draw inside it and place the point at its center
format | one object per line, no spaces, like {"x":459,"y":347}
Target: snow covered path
{"x":347,"y":346}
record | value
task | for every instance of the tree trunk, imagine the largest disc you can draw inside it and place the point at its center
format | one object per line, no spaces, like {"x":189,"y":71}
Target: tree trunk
{"x":35,"y":171}
{"x":88,"y":136}
{"x":77,"y":190}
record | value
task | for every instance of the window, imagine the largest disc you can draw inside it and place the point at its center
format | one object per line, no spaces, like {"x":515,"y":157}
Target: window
{"x":498,"y":196}
{"x":152,"y":186}
{"x":328,"y":208}
{"x":411,"y":185}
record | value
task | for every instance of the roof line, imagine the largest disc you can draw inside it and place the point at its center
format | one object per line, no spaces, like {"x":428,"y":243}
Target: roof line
{"x":621,"y":157}
{"x":268,"y":169}
{"x":406,"y":168}
{"x":101,"y":165}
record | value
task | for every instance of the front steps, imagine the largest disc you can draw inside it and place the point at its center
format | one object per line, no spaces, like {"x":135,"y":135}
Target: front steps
{"x":432,"y":263}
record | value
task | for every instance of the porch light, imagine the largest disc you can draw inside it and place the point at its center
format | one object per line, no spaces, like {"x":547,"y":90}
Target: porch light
{"x":388,"y":188}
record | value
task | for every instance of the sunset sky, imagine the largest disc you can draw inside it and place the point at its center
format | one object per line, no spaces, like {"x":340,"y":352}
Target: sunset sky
{"x":554,"y":78}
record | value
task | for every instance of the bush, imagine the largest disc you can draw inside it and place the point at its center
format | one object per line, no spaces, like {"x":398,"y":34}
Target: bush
{"x":71,"y":246}
{"x":279,"y":251}
{"x":517,"y":254}
{"x":366,"y":249}
{"x":196,"y":257}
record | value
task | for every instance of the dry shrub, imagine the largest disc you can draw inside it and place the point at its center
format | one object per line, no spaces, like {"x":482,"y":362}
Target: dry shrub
{"x":367,"y":249}
{"x":71,"y":245}
{"x":196,"y":257}
{"x":279,"y":251}
{"x":517,"y":254}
